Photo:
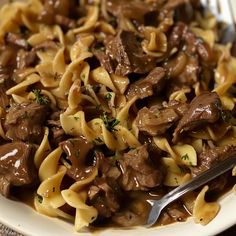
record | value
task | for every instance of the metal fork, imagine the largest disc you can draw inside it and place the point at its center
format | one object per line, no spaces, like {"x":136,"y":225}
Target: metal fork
{"x":159,"y":205}
{"x":224,"y":10}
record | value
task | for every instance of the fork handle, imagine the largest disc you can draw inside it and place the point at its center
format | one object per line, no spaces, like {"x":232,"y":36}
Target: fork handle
{"x":199,"y":180}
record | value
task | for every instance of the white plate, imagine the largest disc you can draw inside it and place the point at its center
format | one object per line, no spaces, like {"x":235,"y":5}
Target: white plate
{"x":25,"y":220}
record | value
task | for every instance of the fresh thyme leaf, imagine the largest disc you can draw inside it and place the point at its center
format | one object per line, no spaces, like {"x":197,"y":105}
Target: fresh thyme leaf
{"x":39,"y":98}
{"x":109,"y":123}
{"x":108,"y":96}
{"x":40,"y":198}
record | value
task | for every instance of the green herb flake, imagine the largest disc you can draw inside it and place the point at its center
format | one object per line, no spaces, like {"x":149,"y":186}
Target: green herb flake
{"x":99,"y":140}
{"x":25,"y":116}
{"x":57,"y":76}
{"x":39,"y":98}
{"x":109,"y":123}
{"x":82,"y":76}
{"x":40,"y":198}
{"x":76,"y":117}
{"x":108,"y":96}
{"x":185,"y":157}
{"x":176,"y":181}
{"x":77,"y":154}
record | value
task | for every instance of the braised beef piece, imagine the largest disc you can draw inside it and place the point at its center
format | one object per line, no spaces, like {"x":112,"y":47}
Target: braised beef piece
{"x":233,"y":49}
{"x":76,"y":150}
{"x":128,"y":218}
{"x":153,"y":150}
{"x":210,"y":157}
{"x":173,"y":213}
{"x":5,"y":84}
{"x":173,"y":4}
{"x":190,"y":73}
{"x":155,"y":121}
{"x":25,"y":58}
{"x":105,"y":60}
{"x":133,"y":10}
{"x":58,"y":12}
{"x":177,"y":34}
{"x":65,"y":22}
{"x":56,"y":132}
{"x":25,"y":122}
{"x":107,"y":166}
{"x":138,"y":172}
{"x":204,"y":109}
{"x":126,"y":50}
{"x":180,"y":107}
{"x":48,"y":44}
{"x":182,"y":36}
{"x":104,"y":195}
{"x":152,"y":84}
{"x":16,"y":166}
{"x":17,"y":40}
{"x":7,"y":57}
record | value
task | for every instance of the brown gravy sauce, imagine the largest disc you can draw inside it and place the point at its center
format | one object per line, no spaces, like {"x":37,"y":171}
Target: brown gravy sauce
{"x":26,"y":195}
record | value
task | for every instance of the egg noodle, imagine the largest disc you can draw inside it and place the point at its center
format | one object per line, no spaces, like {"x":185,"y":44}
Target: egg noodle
{"x":67,"y":75}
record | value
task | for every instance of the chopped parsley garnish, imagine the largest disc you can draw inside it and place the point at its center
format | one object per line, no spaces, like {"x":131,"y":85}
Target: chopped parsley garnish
{"x":39,"y":98}
{"x":109,"y":123}
{"x":82,"y":76}
{"x":76,"y":117}
{"x":185,"y":157}
{"x":25,"y":116}
{"x":77,"y":154}
{"x":98,"y":140}
{"x":57,"y":76}
{"x":226,"y":116}
{"x":40,"y":199}
{"x":108,"y":96}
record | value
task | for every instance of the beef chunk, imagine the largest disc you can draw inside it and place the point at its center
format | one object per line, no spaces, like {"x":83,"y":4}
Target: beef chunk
{"x":128,"y":218}
{"x":107,"y":166}
{"x":77,"y":150}
{"x":179,"y":107}
{"x":155,"y":121}
{"x":5,"y":84}
{"x":17,"y":40}
{"x":104,"y":195}
{"x":190,"y":74}
{"x":57,"y":133}
{"x":134,"y":10}
{"x":58,"y":12}
{"x":130,"y":58}
{"x":177,"y":34}
{"x":25,"y":122}
{"x":210,"y":157}
{"x":138,"y":172}
{"x":46,"y":45}
{"x":25,"y":58}
{"x":105,"y":60}
{"x":153,"y":83}
{"x":233,"y":49}
{"x":204,"y":109}
{"x":16,"y":166}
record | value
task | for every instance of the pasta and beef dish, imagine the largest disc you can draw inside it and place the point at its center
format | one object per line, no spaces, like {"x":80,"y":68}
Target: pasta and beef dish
{"x":106,"y":105}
